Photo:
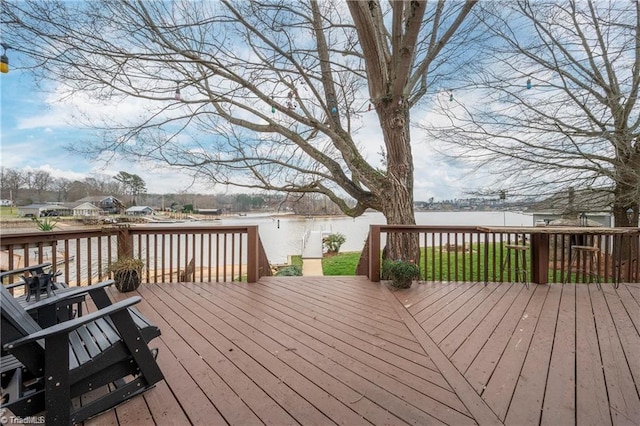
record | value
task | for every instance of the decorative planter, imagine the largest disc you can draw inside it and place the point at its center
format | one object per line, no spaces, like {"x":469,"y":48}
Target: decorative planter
{"x":402,"y":282}
{"x":126,"y":281}
{"x":400,"y":272}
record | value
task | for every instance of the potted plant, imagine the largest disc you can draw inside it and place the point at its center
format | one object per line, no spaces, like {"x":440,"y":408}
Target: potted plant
{"x":400,"y":272}
{"x":127,"y":273}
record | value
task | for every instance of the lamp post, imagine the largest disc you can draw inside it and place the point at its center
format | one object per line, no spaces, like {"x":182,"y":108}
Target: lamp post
{"x":4,"y":60}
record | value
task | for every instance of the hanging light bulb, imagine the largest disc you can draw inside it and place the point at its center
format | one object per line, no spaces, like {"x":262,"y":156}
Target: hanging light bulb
{"x":451,"y":96}
{"x":528,"y":83}
{"x":334,"y":110}
{"x":369,"y":109}
{"x":4,"y":59}
{"x":273,"y":109}
{"x":4,"y":64}
{"x":176,"y":95}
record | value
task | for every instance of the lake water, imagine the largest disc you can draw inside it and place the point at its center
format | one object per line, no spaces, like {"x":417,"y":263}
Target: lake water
{"x":282,"y":235}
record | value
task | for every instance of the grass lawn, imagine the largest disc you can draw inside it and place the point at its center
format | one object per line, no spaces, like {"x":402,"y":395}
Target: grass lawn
{"x":296,"y":260}
{"x":8,"y":212}
{"x":445,"y":265}
{"x":341,"y":264}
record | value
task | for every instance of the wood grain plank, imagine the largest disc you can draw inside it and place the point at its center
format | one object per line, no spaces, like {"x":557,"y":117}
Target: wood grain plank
{"x":255,"y":386}
{"x":206,"y":395}
{"x":559,"y":401}
{"x":309,"y":341}
{"x":629,"y":335}
{"x":464,"y":355}
{"x":476,"y":406}
{"x":345,"y":326}
{"x":501,"y":385}
{"x":312,"y":360}
{"x":484,"y":363}
{"x":624,"y":400}
{"x":526,"y":403}
{"x":461,"y":288}
{"x":442,"y":315}
{"x":592,"y":407}
{"x":463,"y":311}
{"x":367,"y":363}
{"x":478,"y":317}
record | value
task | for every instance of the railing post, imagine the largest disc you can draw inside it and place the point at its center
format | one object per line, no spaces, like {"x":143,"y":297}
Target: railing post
{"x":125,"y":242}
{"x":539,"y":258}
{"x":252,"y":254}
{"x":374,"y":253}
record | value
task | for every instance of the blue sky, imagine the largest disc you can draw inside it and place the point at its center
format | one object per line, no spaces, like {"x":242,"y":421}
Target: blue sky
{"x":37,"y":126}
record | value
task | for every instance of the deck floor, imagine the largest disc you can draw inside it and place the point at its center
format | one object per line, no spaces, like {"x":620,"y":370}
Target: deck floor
{"x":343,"y":350}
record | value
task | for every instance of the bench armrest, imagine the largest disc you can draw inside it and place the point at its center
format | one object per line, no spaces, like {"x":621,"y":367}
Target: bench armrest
{"x":31,"y":268}
{"x":67,"y":326}
{"x":69,"y":293}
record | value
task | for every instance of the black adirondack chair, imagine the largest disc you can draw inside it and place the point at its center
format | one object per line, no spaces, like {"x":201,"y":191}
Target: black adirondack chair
{"x":39,"y":284}
{"x":69,"y":359}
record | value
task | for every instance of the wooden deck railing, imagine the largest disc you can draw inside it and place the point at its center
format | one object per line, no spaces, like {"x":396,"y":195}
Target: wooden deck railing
{"x":170,"y":253}
{"x":225,"y":253}
{"x":468,"y":253}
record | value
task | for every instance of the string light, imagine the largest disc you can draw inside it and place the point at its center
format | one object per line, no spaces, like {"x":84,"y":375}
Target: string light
{"x":451,"y":96}
{"x":334,"y":110}
{"x":4,"y":59}
{"x":290,"y":103}
{"x":176,"y":95}
{"x":528,"y":83}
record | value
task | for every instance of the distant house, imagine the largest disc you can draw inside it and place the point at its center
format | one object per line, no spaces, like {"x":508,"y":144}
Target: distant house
{"x":37,"y":210}
{"x":81,"y":209}
{"x":139,"y":211}
{"x":590,"y":204}
{"x":108,"y":204}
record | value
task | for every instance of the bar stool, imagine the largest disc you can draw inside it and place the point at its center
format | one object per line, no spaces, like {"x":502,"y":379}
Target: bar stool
{"x":588,"y":252}
{"x":520,"y":256}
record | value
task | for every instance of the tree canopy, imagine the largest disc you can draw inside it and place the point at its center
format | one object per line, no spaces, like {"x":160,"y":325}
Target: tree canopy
{"x":268,"y":95}
{"x":559,"y":86}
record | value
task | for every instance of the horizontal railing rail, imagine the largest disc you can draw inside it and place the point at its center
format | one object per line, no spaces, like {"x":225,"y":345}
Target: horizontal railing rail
{"x":169,"y":253}
{"x":468,"y":253}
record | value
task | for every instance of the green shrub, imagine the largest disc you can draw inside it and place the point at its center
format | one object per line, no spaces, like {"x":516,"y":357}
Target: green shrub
{"x":400,"y":272}
{"x":290,"y":271}
{"x":333,"y":242}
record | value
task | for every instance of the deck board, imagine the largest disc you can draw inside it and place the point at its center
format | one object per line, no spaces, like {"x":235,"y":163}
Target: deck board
{"x":591,"y":395}
{"x":526,"y":403}
{"x":343,"y":350}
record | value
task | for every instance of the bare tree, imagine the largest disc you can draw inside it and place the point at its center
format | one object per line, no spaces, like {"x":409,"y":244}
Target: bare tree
{"x":61,"y":186}
{"x":261,"y":94}
{"x":555,"y":102}
{"x":12,"y":181}
{"x":42,"y":181}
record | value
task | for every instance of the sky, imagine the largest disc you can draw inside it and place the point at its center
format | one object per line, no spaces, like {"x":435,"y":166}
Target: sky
{"x":37,"y":127}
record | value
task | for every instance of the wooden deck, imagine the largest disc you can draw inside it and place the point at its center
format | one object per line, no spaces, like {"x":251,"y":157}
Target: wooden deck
{"x":329,"y":350}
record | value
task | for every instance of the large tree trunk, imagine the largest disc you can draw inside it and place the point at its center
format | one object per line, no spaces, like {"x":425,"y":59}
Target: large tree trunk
{"x":397,"y":201}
